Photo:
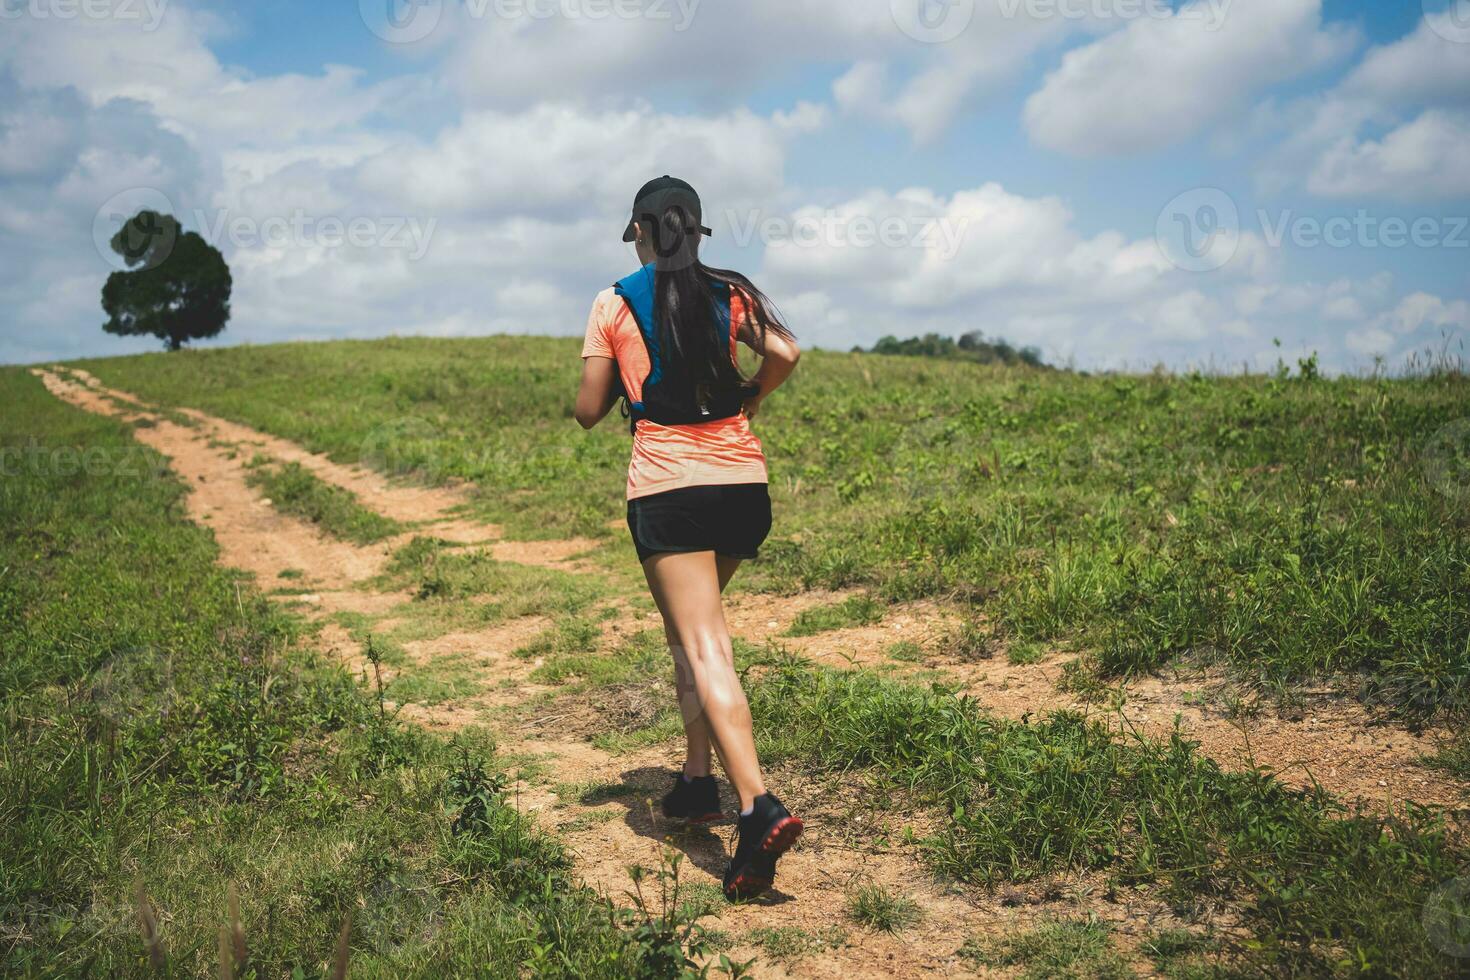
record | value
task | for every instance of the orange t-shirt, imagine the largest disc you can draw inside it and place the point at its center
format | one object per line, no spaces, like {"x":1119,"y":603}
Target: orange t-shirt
{"x":667,"y":457}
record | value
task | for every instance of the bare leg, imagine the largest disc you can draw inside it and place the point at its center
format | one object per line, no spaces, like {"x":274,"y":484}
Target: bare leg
{"x":686,"y":588}
{"x":696,"y":729}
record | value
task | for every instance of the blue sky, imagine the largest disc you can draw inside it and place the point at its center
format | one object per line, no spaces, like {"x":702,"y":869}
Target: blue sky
{"x":1022,"y":168}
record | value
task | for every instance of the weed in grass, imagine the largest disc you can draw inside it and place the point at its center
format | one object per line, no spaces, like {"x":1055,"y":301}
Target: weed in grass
{"x":588,"y":819}
{"x":666,"y":726}
{"x":1453,"y":759}
{"x":701,"y":899}
{"x":1023,"y":653}
{"x":788,"y":943}
{"x":1070,"y":949}
{"x":293,"y":489}
{"x":970,"y":642}
{"x":438,"y":573}
{"x":880,"y":908}
{"x":858,"y":610}
{"x":594,"y":793}
{"x":665,"y":930}
{"x":906,"y":651}
{"x":1179,"y":954}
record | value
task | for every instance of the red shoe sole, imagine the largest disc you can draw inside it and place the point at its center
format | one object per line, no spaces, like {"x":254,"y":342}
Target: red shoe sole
{"x":707,"y":818}
{"x":751,"y":882}
{"x":780,"y":837}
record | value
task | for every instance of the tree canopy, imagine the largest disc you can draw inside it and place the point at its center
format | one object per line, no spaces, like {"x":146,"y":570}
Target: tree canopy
{"x":972,"y":346}
{"x":176,"y":287}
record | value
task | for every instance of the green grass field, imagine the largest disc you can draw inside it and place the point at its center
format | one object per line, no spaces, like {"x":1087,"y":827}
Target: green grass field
{"x":165,"y":724}
{"x":1283,"y":526}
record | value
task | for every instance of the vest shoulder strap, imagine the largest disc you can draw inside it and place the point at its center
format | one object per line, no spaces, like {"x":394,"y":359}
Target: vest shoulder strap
{"x":637,"y":290}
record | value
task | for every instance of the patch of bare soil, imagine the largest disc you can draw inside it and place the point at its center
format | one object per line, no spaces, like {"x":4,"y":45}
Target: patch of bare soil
{"x":546,"y":554}
{"x":1333,"y":741}
{"x":814,"y":880}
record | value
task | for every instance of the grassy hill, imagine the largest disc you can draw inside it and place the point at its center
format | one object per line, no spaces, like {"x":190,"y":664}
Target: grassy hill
{"x":1284,"y":526}
{"x":1290,"y":534}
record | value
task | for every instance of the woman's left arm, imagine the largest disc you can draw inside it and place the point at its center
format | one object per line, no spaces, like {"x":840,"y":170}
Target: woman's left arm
{"x":599,"y":390}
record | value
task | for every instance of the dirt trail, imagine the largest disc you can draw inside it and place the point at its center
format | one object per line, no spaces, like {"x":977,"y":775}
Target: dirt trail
{"x":425,"y":507}
{"x":1349,"y":755}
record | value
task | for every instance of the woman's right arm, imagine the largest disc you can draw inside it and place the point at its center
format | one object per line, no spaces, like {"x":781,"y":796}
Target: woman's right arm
{"x":778,"y":359}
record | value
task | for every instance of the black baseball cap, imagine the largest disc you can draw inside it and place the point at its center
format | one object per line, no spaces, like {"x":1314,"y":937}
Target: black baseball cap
{"x":659,"y":194}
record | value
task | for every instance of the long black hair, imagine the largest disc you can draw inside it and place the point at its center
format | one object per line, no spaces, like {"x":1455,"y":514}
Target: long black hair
{"x":684,"y":308}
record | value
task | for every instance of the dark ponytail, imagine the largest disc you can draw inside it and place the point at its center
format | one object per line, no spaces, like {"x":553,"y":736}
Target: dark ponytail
{"x":684,"y":308}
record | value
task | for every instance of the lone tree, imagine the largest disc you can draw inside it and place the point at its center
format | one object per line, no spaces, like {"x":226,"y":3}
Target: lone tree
{"x":177,"y":286}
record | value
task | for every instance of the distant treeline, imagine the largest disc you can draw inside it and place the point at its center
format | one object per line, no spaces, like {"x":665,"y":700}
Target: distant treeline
{"x":972,"y":346}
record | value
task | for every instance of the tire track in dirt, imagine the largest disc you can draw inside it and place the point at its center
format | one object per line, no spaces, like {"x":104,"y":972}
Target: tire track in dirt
{"x":427,"y":508}
{"x":814,"y":877}
{"x":281,"y":552}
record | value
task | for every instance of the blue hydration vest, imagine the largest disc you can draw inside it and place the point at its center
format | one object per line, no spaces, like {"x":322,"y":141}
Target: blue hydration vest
{"x":666,"y":401}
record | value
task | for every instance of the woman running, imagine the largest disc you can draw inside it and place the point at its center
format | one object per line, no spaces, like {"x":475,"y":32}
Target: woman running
{"x":664,"y":339}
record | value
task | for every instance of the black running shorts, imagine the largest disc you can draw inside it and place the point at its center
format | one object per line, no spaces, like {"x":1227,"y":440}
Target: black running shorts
{"x":729,"y":520}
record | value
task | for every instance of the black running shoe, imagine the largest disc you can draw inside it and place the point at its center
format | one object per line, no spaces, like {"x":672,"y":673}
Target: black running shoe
{"x":764,"y":836}
{"x":696,"y":800}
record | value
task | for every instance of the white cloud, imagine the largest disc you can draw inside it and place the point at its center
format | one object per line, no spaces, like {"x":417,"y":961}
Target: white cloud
{"x":1163,"y":79}
{"x":555,"y":159}
{"x":716,"y":54}
{"x":1419,"y":322}
{"x":1415,"y":91}
{"x":1427,"y":158}
{"x":1022,"y":270}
